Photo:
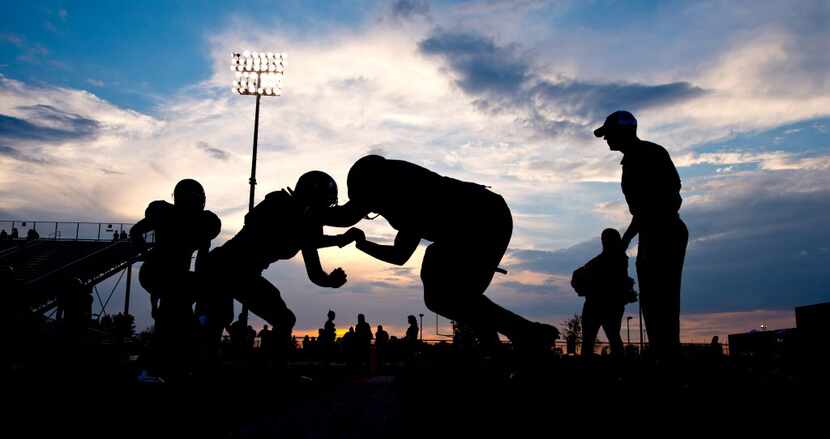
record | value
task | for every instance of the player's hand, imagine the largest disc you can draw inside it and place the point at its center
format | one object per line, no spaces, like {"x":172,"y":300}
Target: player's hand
{"x":353,"y":235}
{"x":337,"y":278}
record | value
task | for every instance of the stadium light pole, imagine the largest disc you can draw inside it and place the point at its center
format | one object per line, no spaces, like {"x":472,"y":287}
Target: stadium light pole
{"x":640,"y":312}
{"x":256,"y":74}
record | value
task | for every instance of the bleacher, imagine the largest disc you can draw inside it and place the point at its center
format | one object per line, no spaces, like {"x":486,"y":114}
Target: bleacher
{"x":66,"y":256}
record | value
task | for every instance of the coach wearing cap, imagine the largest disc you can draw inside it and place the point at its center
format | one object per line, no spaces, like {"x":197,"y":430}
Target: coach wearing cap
{"x":651,"y":187}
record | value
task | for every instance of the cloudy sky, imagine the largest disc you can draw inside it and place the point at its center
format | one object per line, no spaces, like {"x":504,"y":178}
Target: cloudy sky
{"x":104,"y":106}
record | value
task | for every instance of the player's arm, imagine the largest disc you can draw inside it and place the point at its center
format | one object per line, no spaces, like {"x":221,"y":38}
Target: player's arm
{"x":398,"y":254}
{"x":315,"y":272}
{"x":632,"y":230}
{"x":138,"y":229}
{"x":341,"y":240}
{"x":148,"y":223}
{"x":211,"y":226}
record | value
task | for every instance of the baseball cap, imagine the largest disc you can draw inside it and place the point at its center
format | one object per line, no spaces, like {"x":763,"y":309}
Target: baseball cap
{"x":616,"y":120}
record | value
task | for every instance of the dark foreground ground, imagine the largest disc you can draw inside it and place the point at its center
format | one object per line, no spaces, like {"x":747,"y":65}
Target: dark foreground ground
{"x":92,"y":393}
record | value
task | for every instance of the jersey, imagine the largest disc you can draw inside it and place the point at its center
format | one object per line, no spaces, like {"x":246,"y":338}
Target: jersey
{"x":278,"y":228}
{"x":178,"y":234}
{"x":650,"y":182}
{"x":416,"y":200}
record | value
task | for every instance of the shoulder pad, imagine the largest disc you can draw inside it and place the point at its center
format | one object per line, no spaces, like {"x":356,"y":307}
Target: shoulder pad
{"x":158,"y":207}
{"x":278,"y":196}
{"x":211,"y":224}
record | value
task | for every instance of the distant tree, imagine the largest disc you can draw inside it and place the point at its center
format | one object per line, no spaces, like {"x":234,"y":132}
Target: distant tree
{"x":145,"y":336}
{"x":123,"y":325}
{"x":574,"y":327}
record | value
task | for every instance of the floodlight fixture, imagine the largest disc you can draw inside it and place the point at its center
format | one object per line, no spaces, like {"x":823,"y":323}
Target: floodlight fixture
{"x":256,"y":74}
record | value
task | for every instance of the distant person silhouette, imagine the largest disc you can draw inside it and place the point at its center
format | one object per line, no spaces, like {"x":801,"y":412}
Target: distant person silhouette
{"x":250,"y":338}
{"x":32,"y":235}
{"x":282,"y":225}
{"x":181,"y":229}
{"x":115,"y":236}
{"x":362,"y":330}
{"x":329,"y":329}
{"x":651,"y":186}
{"x":411,"y":336}
{"x":123,"y":235}
{"x":462,"y":337}
{"x":469,"y":226}
{"x":348,"y":345}
{"x":715,"y":347}
{"x":607,"y":288}
{"x":266,"y":340}
{"x":362,"y":337}
{"x":328,"y":335}
{"x":3,"y":235}
{"x":14,"y":234}
{"x":570,"y":344}
{"x":237,"y":331}
{"x":381,"y":345}
{"x":381,"y":336}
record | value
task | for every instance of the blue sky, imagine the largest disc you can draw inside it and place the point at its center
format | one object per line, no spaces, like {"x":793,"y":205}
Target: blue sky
{"x":133,"y":53}
{"x":97,"y":96}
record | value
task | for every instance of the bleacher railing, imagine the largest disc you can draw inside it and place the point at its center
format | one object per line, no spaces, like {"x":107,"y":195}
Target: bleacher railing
{"x":68,"y":230}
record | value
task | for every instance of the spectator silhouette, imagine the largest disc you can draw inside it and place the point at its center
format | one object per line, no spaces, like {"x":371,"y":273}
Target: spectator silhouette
{"x":123,"y":235}
{"x":32,"y":235}
{"x":14,"y":234}
{"x":181,"y":229}
{"x":362,"y":338}
{"x":651,"y":186}
{"x":381,"y":345}
{"x":411,"y":337}
{"x":469,"y":226}
{"x":3,"y":235}
{"x":570,"y":344}
{"x":329,"y":329}
{"x":250,"y":339}
{"x":362,"y":330}
{"x":327,"y":338}
{"x":381,"y":337}
{"x":347,"y":344}
{"x":279,"y":227}
{"x":715,"y":347}
{"x":115,"y":236}
{"x":606,"y":286}
{"x":237,"y":330}
{"x":462,"y":337}
{"x":266,"y":341}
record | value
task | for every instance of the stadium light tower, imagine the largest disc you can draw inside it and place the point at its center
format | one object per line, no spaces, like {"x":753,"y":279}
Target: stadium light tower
{"x":257,"y":74}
